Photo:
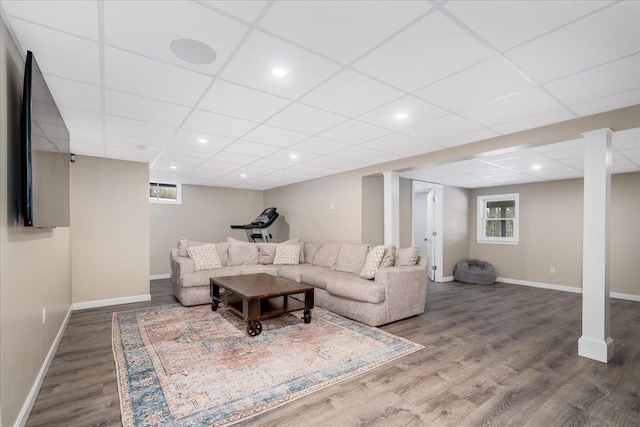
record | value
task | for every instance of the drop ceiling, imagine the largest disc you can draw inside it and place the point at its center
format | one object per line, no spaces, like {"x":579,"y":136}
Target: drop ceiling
{"x":461,"y":71}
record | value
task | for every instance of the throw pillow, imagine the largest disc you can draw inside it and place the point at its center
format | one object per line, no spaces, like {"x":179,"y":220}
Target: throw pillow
{"x":389,"y":256}
{"x":242,"y":253}
{"x":296,"y":241}
{"x":287,"y":255}
{"x":266,"y":252}
{"x":223,"y":252}
{"x":372,"y":263}
{"x":204,"y":257}
{"x":351,"y":257}
{"x":407,"y":256}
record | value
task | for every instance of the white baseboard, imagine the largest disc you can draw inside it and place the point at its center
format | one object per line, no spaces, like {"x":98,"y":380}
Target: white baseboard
{"x":159,"y":276}
{"x":573,"y":289}
{"x":35,"y":388}
{"x":447,"y":279}
{"x":113,"y":301}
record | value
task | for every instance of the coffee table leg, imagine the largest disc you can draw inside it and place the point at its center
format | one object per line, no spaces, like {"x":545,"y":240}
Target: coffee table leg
{"x":254,"y":328}
{"x":214,"y":291}
{"x":308,"y":305}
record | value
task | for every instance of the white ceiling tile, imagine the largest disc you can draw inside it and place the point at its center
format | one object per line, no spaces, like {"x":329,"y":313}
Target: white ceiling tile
{"x":529,"y":102}
{"x":319,"y":145}
{"x":351,"y":94}
{"x":604,"y":36}
{"x":615,"y":77}
{"x":254,"y":171}
{"x":474,"y":136}
{"x":393,"y":142}
{"x":303,"y":118}
{"x":625,"y":168}
{"x":132,"y":154}
{"x":133,"y":142}
{"x":135,"y":74}
{"x":81,"y":119}
{"x":533,"y":121}
{"x":195,"y":179}
{"x":212,"y":142}
{"x":77,"y":18}
{"x":626,"y":144}
{"x":189,"y":151}
{"x":287,"y":174}
{"x":136,"y":107}
{"x":565,"y":153}
{"x":407,"y":61}
{"x":335,"y":163}
{"x":489,"y":80}
{"x":141,"y":27}
{"x":574,"y":143}
{"x":505,"y":24}
{"x":424,"y":147}
{"x":608,"y":103}
{"x":261,"y":53}
{"x":355,"y":132}
{"x":217,"y":124}
{"x":444,"y":127}
{"x":626,"y":134}
{"x":217,"y":166}
{"x":247,"y":10}
{"x":60,"y":54}
{"x":317,"y":26}
{"x":383,"y":158}
{"x":241,"y":159}
{"x":305,"y":169}
{"x":139,"y":129}
{"x":253,"y":148}
{"x":85,"y":136}
{"x":631,"y":153}
{"x":286,"y":156}
{"x":238,"y":101}
{"x":273,"y":164}
{"x":358,"y":154}
{"x":417,"y":111}
{"x":183,"y":162}
{"x":87,"y":149}
{"x":209,"y":173}
{"x":74,"y":94}
{"x":167,"y":169}
{"x":274,"y":136}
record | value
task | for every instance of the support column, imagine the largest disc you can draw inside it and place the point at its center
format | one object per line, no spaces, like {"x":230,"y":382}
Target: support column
{"x":391,"y":208}
{"x":596,"y":342}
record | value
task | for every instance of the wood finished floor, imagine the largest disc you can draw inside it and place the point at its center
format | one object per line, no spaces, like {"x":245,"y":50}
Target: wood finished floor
{"x":494,"y":355}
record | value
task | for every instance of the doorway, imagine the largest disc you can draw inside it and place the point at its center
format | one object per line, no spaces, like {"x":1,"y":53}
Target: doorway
{"x":427,"y":224}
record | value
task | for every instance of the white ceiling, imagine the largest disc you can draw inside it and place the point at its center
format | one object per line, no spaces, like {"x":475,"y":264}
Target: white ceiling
{"x":462,"y":71}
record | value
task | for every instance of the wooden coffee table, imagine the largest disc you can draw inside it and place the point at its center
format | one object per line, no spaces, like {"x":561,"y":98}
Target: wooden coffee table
{"x":259,"y":296}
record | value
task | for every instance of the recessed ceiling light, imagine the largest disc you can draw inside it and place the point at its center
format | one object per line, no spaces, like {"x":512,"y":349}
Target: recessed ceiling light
{"x":202,"y":141}
{"x":173,"y":167}
{"x":243,"y":175}
{"x":193,"y":51}
{"x":536,"y":167}
{"x":279,"y":72}
{"x":401,"y":116}
{"x":293,"y":156}
{"x":147,"y":147}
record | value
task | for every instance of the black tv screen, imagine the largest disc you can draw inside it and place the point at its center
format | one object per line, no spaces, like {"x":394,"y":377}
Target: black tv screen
{"x":45,"y":154}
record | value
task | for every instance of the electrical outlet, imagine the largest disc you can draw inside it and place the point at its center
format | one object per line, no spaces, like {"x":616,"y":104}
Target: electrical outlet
{"x":44,"y":315}
{"x":552,"y":270}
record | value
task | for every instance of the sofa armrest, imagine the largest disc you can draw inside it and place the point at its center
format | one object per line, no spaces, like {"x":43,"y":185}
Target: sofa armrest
{"x":405,"y":289}
{"x":181,"y":265}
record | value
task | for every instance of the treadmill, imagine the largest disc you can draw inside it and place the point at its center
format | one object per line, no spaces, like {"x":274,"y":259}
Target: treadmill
{"x":261,"y":223}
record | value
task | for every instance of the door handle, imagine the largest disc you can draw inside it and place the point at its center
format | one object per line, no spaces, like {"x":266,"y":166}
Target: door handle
{"x":426,"y":240}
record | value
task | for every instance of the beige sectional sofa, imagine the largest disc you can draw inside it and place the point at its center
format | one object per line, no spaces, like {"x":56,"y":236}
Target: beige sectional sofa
{"x":333,"y":268}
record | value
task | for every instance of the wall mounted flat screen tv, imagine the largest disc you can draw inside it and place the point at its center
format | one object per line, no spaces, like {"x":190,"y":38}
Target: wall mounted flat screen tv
{"x":45,"y":154}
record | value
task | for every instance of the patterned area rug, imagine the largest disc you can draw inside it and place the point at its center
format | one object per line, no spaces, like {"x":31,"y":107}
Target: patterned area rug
{"x":186,"y":366}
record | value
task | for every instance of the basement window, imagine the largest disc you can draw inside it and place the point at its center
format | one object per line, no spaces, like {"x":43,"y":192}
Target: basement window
{"x":498,"y":219}
{"x":165,"y":193}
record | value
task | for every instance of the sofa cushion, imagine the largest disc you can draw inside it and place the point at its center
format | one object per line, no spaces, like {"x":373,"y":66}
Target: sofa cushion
{"x":310,"y":250}
{"x":351,"y":257}
{"x":287,"y":254}
{"x":407,"y":256}
{"x":372,"y":263}
{"x":242,"y":253}
{"x":266,"y":252}
{"x":294,"y":272}
{"x":258,"y":268}
{"x":357,"y":289}
{"x":223,"y":252}
{"x":204,"y":257}
{"x":201,"y":278}
{"x":319,"y":276}
{"x":389,"y":256}
{"x":184,"y":243}
{"x":327,"y":255}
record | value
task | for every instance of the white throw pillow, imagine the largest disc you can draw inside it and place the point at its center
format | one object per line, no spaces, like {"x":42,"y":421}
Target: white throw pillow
{"x":287,"y":255}
{"x":372,"y":262}
{"x":205,"y":257}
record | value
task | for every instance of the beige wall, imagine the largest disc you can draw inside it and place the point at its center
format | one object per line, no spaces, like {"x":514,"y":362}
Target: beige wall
{"x":35,"y":270}
{"x":551,"y":233}
{"x":110,"y":228}
{"x":373,"y":210}
{"x":204,"y":215}
{"x":456,"y":228}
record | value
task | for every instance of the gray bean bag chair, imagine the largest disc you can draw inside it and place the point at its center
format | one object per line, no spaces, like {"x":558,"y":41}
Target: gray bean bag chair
{"x":475,"y":271}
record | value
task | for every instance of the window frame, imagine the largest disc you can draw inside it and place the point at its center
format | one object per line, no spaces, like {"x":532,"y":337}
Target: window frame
{"x":178,"y":200}
{"x":480,"y":217}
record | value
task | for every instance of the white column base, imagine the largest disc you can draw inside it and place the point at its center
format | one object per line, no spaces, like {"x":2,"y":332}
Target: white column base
{"x":602,"y":351}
